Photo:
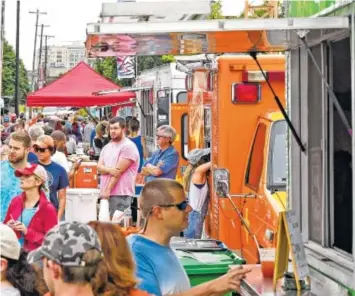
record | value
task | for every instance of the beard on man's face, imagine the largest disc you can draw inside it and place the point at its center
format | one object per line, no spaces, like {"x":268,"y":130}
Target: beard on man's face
{"x":117,"y":137}
{"x":16,"y":159}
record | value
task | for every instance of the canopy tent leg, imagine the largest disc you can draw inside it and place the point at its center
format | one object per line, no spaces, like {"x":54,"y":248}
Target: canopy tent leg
{"x":302,"y":36}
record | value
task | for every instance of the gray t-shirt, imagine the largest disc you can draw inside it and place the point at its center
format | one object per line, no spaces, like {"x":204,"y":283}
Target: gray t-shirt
{"x":9,"y":291}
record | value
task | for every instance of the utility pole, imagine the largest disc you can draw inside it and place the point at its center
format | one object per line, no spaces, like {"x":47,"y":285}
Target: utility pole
{"x":2,"y":39}
{"x":17,"y":73}
{"x":38,"y":13}
{"x":46,"y":55}
{"x":40,"y":52}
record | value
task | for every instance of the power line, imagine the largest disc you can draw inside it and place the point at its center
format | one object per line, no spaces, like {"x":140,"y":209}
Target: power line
{"x":40,"y":52}
{"x":38,"y":13}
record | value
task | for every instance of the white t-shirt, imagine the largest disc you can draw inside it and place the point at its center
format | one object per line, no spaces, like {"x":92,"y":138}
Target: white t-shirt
{"x":60,"y":158}
{"x":9,"y":291}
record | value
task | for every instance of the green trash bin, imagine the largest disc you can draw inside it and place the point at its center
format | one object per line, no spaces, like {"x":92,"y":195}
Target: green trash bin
{"x":203,"y":266}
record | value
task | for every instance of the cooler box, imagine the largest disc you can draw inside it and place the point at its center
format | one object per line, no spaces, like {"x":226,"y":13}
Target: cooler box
{"x":81,"y":205}
{"x":86,"y":175}
{"x":204,"y":260}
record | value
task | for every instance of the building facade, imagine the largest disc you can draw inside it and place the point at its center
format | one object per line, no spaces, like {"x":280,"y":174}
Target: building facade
{"x":61,"y":58}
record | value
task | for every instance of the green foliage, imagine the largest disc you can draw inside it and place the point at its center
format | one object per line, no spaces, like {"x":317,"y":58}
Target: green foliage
{"x":168,"y":58}
{"x":216,"y":11}
{"x":108,"y":68}
{"x":149,"y":62}
{"x":8,"y":75}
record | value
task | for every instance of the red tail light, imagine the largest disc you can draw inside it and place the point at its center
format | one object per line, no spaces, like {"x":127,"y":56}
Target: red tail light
{"x":246,"y":93}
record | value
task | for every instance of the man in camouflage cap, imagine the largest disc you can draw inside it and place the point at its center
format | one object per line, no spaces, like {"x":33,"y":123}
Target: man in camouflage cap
{"x":70,"y":253}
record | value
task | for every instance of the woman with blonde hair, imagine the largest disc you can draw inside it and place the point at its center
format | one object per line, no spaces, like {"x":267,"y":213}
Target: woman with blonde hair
{"x":118,"y":278}
{"x":31,"y":215}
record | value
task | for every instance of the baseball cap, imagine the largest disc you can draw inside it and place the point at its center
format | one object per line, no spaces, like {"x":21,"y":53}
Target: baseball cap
{"x":9,"y":246}
{"x":33,"y":169}
{"x":195,"y":155}
{"x":6,"y":119}
{"x":66,"y":244}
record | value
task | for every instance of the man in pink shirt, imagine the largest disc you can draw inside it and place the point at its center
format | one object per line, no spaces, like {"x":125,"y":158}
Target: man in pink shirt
{"x":118,"y":166}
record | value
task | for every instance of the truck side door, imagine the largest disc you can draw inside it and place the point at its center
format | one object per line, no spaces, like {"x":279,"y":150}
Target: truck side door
{"x":254,"y":185}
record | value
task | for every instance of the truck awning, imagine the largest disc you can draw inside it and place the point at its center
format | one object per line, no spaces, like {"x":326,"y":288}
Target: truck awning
{"x":205,"y":36}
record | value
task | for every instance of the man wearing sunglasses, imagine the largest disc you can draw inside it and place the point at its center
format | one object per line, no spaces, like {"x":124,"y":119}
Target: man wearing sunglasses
{"x":57,"y":176}
{"x":164,"y":162}
{"x":164,"y":206}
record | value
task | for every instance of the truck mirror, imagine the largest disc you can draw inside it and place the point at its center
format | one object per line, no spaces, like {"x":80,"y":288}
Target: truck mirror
{"x":221,"y":182}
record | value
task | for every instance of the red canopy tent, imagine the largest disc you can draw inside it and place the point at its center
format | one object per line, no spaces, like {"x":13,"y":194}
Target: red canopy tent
{"x":75,"y":89}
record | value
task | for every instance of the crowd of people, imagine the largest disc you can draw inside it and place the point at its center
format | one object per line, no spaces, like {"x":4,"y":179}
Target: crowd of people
{"x":42,"y":254}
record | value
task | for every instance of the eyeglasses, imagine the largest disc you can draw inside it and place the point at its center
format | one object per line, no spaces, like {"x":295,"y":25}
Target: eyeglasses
{"x":160,"y":136}
{"x":181,"y":206}
{"x":42,"y":150}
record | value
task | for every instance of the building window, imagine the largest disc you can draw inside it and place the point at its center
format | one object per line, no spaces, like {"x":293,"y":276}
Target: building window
{"x":330,"y":198}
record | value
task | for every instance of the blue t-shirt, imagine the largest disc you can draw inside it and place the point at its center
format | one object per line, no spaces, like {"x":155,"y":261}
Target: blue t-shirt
{"x":26,"y":217}
{"x":32,"y":157}
{"x":157,"y":267}
{"x":57,"y":180}
{"x":10,"y":187}
{"x":138,"y":142}
{"x":167,"y":160}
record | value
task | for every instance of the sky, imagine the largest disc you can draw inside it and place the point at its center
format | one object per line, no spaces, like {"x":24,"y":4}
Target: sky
{"x":67,"y":20}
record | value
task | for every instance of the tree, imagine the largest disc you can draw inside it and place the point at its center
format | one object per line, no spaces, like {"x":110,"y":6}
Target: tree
{"x":8,"y":75}
{"x":216,"y":11}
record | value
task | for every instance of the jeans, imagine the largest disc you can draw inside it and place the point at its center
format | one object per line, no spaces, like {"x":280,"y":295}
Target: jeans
{"x":196,"y":220}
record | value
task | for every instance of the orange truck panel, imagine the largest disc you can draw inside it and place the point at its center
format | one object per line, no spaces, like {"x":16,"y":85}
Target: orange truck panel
{"x":234,"y":127}
{"x":177,"y":113}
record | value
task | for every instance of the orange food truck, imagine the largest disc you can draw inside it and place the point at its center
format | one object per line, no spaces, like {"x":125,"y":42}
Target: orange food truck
{"x":233,"y":111}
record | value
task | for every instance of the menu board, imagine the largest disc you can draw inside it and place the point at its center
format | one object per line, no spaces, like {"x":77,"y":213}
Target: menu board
{"x":297,"y":247}
{"x":289,"y":242}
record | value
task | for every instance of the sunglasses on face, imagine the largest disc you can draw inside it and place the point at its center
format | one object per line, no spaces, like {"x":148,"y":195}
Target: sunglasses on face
{"x":181,"y":206}
{"x":42,"y":150}
{"x":160,"y":136}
